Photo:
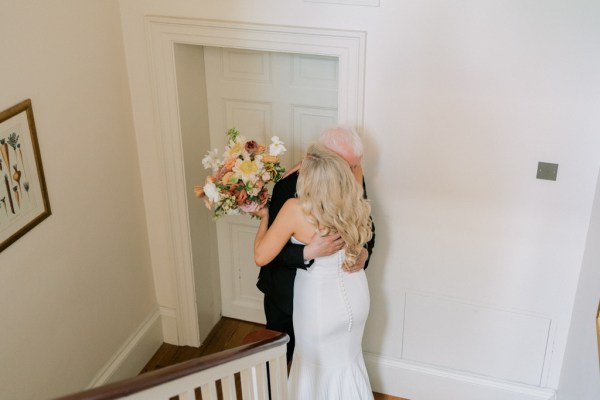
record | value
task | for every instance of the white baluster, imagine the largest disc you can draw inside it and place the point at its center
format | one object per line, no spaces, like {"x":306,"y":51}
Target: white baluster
{"x":228,"y":387}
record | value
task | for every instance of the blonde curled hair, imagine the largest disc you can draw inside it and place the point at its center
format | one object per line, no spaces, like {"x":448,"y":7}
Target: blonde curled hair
{"x":332,"y":199}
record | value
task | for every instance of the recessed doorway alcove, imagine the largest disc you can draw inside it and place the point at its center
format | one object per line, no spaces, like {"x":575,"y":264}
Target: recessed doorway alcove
{"x":165,"y":35}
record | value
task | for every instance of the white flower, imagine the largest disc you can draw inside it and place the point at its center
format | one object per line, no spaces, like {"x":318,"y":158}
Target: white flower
{"x":248,"y":169}
{"x":233,"y":211}
{"x":241,"y":139}
{"x":211,"y":192}
{"x":276,"y":147}
{"x":211,"y":160}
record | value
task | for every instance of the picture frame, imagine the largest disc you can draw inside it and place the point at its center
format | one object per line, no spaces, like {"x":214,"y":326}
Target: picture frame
{"x":24,"y":199}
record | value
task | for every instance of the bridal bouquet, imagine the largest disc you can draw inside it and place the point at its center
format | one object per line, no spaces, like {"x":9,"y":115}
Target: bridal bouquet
{"x":239,"y":179}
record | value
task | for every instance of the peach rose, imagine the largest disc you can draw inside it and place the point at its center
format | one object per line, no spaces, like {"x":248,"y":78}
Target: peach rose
{"x":229,"y":164}
{"x":226,"y":180}
{"x":240,"y":196}
{"x":268,"y":158}
{"x":264,"y":197}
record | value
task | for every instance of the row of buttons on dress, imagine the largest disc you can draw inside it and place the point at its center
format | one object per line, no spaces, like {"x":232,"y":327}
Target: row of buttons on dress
{"x":343,"y":290}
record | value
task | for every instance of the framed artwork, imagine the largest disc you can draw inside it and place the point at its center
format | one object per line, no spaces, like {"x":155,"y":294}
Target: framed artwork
{"x":23,"y":195}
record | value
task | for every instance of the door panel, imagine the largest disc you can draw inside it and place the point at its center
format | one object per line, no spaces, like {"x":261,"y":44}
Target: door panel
{"x":306,"y":121}
{"x":262,"y":94}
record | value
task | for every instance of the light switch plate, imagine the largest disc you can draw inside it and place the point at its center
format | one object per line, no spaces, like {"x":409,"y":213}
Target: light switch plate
{"x":547,"y":171}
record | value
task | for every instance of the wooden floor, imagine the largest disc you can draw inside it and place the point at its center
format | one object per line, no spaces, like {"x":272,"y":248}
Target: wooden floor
{"x":228,"y":333}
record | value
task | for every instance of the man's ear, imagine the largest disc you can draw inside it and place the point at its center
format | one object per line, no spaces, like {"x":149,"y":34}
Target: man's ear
{"x":358,"y":174}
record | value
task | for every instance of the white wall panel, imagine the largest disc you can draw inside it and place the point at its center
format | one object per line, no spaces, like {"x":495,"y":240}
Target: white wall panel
{"x":468,"y":337}
{"x":246,"y":271}
{"x":255,"y":118}
{"x":315,"y":72}
{"x":239,"y":281}
{"x":246,"y":65}
{"x":308,"y":122}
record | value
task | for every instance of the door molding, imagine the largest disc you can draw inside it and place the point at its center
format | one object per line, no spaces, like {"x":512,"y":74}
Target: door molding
{"x":162,"y":34}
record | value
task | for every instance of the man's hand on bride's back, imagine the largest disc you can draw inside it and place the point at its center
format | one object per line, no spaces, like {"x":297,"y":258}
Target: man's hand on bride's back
{"x":321,"y":246}
{"x":360,"y":262}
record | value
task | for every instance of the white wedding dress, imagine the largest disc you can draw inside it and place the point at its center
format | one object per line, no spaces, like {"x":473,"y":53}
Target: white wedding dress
{"x":330,"y":311}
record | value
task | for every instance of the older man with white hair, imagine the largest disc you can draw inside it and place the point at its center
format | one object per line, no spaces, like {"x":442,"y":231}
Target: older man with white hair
{"x":276,"y":279}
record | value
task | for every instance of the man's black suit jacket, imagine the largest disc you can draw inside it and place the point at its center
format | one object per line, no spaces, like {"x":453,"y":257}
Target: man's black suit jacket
{"x":276,"y":279}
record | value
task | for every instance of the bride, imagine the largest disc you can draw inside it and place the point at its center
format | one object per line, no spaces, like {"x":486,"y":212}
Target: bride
{"x":330,"y":306}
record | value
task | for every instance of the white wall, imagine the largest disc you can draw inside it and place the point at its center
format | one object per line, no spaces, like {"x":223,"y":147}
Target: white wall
{"x":580,"y":377}
{"x":77,"y":290}
{"x":462,"y":100}
{"x":193,"y":110}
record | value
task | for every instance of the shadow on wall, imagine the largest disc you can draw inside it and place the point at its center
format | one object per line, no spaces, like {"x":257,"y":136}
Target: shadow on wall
{"x":377,"y":323}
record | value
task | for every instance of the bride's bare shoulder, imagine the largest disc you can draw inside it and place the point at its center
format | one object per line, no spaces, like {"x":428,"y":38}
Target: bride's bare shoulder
{"x":292,"y":208}
{"x":293,"y":215}
{"x":293,"y":202}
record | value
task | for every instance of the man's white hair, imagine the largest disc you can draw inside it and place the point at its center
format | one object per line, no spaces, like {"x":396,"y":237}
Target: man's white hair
{"x":336,"y":138}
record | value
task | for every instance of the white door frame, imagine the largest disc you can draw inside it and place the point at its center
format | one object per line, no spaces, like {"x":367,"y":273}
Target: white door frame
{"x":162,"y":34}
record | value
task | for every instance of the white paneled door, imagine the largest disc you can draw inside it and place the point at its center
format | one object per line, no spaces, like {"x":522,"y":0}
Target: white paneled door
{"x":262,"y":94}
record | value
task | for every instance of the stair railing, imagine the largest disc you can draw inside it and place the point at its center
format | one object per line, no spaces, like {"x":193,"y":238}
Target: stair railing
{"x":236,"y":374}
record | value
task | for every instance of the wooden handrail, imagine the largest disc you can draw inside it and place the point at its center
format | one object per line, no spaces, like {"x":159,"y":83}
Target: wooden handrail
{"x":155,"y":378}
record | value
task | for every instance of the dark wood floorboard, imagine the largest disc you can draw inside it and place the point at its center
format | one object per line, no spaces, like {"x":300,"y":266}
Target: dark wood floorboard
{"x":227,"y":333}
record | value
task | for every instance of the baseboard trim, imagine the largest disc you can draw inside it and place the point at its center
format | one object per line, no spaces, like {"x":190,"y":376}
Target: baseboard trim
{"x":135,"y":352}
{"x":418,"y":382}
{"x":169,"y":325}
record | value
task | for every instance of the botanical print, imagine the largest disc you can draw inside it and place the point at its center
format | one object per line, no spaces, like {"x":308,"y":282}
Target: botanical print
{"x":15,"y":197}
{"x":23,"y":198}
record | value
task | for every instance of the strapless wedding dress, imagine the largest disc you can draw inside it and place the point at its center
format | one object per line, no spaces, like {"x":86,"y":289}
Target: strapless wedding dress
{"x":330,"y":312}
